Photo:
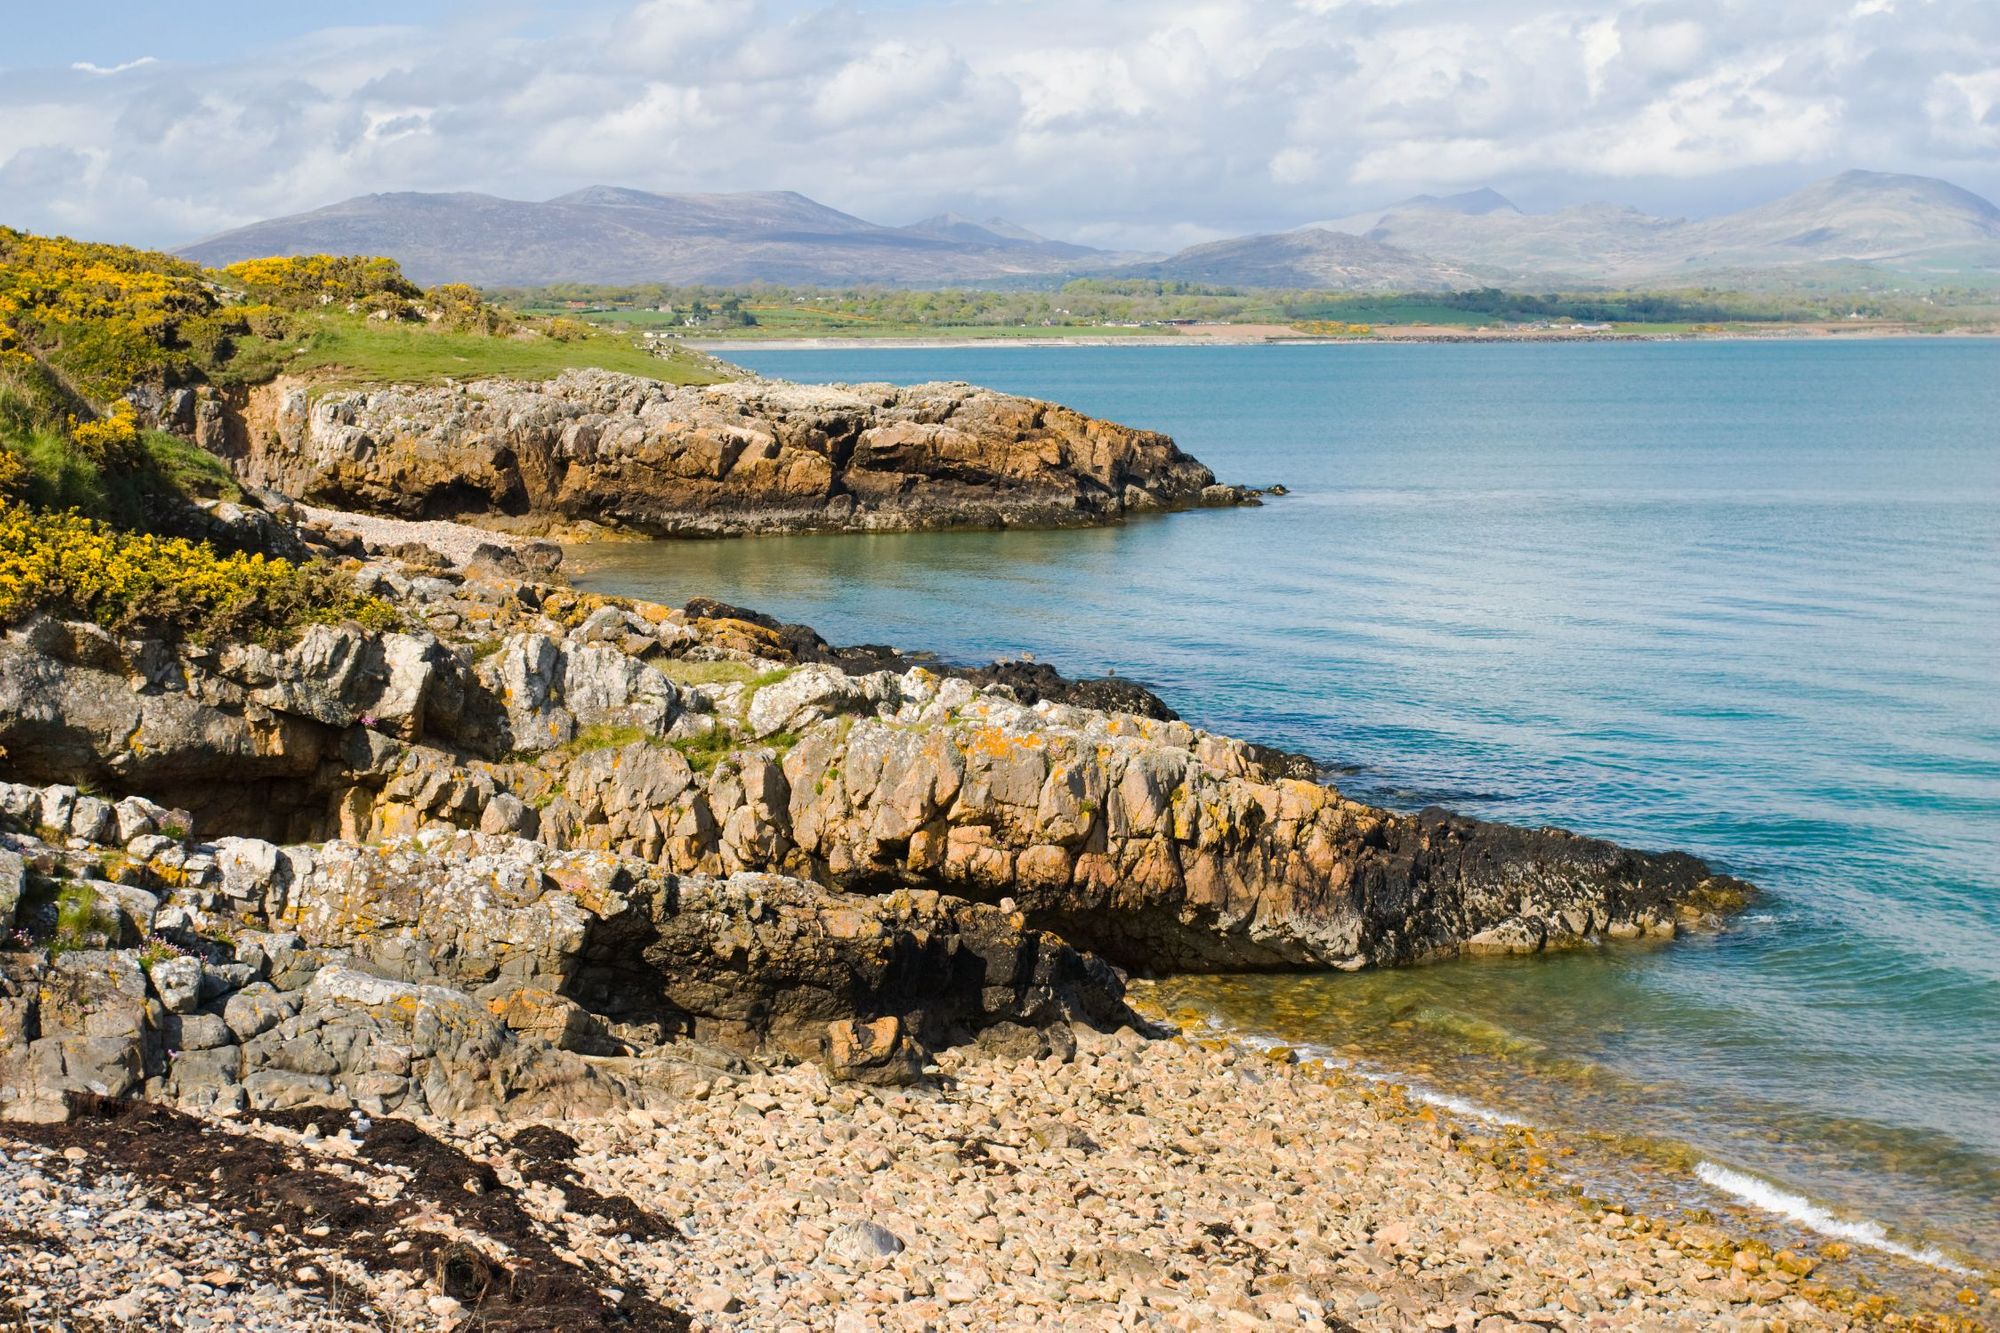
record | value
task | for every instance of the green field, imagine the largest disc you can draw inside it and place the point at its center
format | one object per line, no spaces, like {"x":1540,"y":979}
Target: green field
{"x":787,"y":321}
{"x":345,"y":349}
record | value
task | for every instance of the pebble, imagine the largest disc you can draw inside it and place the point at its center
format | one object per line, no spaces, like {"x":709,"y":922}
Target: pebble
{"x":1157,"y":1184}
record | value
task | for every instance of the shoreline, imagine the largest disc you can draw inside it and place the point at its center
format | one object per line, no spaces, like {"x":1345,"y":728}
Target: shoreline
{"x":1191,"y":1181}
{"x":1642,"y":1171}
{"x":1184,"y":1181}
{"x":904,"y":344}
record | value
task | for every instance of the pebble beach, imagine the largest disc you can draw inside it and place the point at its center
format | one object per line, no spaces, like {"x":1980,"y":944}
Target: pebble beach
{"x":1178,"y":1183}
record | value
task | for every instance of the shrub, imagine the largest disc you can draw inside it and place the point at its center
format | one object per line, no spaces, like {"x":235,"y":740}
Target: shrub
{"x":112,"y":438}
{"x":462,"y":310}
{"x":77,"y":567}
{"x":305,"y":282}
{"x":82,"y":921}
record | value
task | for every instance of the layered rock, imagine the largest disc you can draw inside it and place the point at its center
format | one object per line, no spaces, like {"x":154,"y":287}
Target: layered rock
{"x":463,"y":973}
{"x":691,"y":744}
{"x":745,"y":456}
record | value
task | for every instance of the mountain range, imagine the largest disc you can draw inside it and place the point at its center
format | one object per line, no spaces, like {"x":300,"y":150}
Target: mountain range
{"x":605,"y":234}
{"x":1900,"y":224}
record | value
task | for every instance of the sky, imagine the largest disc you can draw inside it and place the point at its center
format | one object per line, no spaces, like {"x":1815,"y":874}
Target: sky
{"x":1137,"y":124}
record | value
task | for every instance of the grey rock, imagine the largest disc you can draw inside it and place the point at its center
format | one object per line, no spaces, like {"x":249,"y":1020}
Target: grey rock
{"x":205,"y":1068}
{"x":506,"y":813}
{"x":257,"y":1009}
{"x":196,"y":1032}
{"x":862,"y":1242}
{"x":220,"y":979}
{"x":92,"y":820}
{"x":13,"y":883}
{"x":283,"y":1090}
{"x":137,"y":817}
{"x":58,"y":807}
{"x":177,"y":981}
{"x":135,"y":908}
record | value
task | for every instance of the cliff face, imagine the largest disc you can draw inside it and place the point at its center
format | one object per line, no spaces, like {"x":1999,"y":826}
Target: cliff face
{"x":746,"y":456}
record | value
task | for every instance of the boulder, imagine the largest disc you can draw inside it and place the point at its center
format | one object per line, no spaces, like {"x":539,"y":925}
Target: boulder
{"x":13,"y":884}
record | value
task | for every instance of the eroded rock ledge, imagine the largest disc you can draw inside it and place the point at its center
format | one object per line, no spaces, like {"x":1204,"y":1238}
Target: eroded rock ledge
{"x":696,"y":745}
{"x":740,"y":457}
{"x":542,"y":850}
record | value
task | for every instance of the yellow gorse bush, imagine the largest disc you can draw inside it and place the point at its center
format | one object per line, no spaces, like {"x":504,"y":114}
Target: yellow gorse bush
{"x":107,"y":314}
{"x":75,"y":566}
{"x":301,"y":281}
{"x":112,"y":436}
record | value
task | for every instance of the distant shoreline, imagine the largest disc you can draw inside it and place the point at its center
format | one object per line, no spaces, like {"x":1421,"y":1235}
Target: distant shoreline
{"x":1815,"y":333}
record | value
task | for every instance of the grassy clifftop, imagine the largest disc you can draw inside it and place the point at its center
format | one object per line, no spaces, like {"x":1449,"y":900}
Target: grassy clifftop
{"x":82,"y":325}
{"x":95,"y":506}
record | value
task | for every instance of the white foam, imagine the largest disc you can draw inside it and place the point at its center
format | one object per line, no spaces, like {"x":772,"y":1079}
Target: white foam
{"x":1470,"y":1110}
{"x":1442,"y":1100}
{"x":1763,"y":1194}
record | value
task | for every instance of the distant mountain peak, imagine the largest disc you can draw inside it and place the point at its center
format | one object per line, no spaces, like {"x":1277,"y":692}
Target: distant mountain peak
{"x":1472,"y":203}
{"x":607,"y":196}
{"x":957,"y":226}
{"x":614,"y":234}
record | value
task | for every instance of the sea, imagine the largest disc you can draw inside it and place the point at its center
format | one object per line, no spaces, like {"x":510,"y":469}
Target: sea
{"x":1736,"y":598}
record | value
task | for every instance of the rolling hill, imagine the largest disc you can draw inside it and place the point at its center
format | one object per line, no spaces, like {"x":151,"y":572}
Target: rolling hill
{"x":1873,"y":223}
{"x":1312,"y":257}
{"x":1892,"y":223}
{"x":609,"y":235}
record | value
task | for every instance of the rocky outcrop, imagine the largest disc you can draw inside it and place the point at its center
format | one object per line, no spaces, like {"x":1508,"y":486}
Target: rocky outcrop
{"x":745,"y":456}
{"x":692,"y":743}
{"x":462,"y":973}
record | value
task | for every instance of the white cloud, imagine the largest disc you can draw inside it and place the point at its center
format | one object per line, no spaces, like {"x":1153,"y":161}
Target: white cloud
{"x":85,"y":67}
{"x":1113,"y":122}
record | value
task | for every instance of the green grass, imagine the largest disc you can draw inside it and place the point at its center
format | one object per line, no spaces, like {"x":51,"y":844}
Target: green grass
{"x":705,"y":751}
{"x":1393,"y":312}
{"x":685,"y":672}
{"x":81,"y":920}
{"x":345,"y":350}
{"x":61,"y":475}
{"x":604,"y":737}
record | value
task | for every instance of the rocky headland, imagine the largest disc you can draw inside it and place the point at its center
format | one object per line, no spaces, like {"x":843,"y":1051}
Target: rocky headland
{"x":393,"y":936}
{"x":580,"y":962}
{"x":595,"y":448}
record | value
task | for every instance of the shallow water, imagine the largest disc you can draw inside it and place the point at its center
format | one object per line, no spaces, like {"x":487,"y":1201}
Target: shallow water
{"x":1742,"y":599}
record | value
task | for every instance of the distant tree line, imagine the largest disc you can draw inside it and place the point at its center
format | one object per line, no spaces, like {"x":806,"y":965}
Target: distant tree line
{"x":1084,"y":302}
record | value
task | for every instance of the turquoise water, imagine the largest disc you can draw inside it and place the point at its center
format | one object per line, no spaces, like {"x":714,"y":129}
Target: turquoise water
{"x":1742,"y":599}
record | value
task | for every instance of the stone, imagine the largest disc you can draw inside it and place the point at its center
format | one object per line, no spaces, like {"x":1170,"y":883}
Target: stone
{"x":177,"y":981}
{"x":135,"y":909}
{"x":562,"y":1023}
{"x":137,"y":817}
{"x":258,"y":1008}
{"x":250,"y":868}
{"x":861,"y":1242}
{"x":744,"y":456}
{"x":91,"y":819}
{"x":873,"y":1052}
{"x":196,"y":1032}
{"x":715,"y":1300}
{"x":13,"y":884}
